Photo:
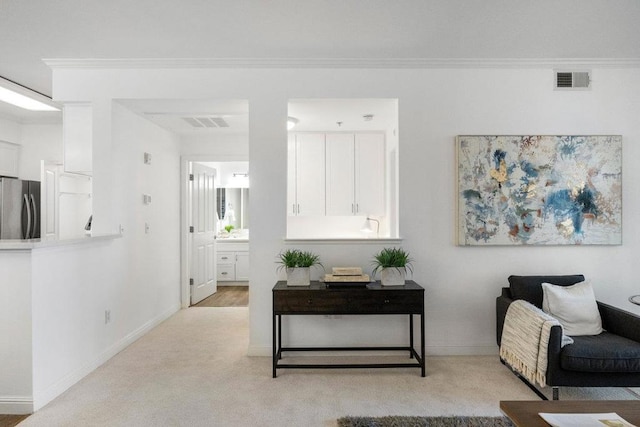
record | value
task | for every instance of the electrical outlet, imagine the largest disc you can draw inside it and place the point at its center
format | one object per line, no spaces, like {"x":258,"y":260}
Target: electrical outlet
{"x":107,"y":316}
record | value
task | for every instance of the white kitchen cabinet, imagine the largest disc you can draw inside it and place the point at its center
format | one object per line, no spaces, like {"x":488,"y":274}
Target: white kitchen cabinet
{"x":306,"y":174}
{"x":233,"y":266}
{"x":9,"y":154}
{"x":77,"y":136}
{"x":355,"y":174}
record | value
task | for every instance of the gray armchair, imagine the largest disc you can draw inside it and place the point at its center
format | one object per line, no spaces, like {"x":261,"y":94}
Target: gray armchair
{"x":610,"y":359}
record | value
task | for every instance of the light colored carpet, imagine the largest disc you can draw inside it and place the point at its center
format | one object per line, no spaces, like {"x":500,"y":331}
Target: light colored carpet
{"x":192,"y":370}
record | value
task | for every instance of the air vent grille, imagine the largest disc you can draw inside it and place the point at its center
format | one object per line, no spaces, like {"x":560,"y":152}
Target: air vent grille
{"x":573,"y":80}
{"x":206,"y":122}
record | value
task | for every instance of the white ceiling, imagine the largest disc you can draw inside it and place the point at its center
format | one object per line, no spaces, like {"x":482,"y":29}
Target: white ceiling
{"x":33,"y":30}
{"x":312,"y":114}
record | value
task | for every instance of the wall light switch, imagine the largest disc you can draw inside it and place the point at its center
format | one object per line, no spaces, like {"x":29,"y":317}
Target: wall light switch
{"x":146,"y":198}
{"x":147,"y":158}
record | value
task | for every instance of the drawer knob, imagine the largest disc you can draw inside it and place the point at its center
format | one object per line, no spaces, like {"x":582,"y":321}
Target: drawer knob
{"x":309,"y":301}
{"x":386,"y":301}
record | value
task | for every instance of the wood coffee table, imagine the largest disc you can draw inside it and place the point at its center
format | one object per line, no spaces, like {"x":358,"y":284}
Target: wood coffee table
{"x":524,"y":413}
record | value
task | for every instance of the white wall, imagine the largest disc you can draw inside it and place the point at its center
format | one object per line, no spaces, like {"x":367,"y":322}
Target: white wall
{"x":15,"y":333}
{"x":9,"y":130}
{"x":435,"y":105}
{"x":58,"y":296}
{"x":39,"y":142}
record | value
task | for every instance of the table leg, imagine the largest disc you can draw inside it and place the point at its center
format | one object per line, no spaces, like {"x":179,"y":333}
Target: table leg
{"x":411,"y":335}
{"x":279,"y":336}
{"x":424,"y":362}
{"x":275,"y":349}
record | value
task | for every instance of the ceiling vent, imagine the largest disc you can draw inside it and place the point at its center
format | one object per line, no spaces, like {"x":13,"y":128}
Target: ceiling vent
{"x":206,"y":122}
{"x":580,"y":80}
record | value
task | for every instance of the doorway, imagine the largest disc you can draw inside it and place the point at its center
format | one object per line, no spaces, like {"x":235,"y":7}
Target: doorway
{"x":228,"y":261}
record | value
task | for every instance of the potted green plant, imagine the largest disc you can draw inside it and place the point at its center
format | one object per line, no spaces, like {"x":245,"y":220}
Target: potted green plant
{"x":297,"y":264}
{"x":229,"y":228}
{"x":393,"y":264}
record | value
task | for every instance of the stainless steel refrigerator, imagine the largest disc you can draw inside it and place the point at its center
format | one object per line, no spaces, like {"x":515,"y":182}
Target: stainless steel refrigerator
{"x":19,"y":209}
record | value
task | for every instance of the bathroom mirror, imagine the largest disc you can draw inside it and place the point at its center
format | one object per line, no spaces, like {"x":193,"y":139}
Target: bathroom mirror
{"x":232,"y":206}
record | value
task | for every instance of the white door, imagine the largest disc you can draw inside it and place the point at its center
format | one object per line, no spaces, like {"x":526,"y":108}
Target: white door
{"x":203,"y":221}
{"x":49,"y":208}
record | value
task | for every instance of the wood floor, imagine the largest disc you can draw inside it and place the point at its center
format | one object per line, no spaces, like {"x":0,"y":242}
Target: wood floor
{"x":227,"y":296}
{"x":11,"y":420}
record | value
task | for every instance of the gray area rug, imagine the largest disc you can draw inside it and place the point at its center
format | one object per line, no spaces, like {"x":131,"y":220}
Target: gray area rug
{"x":398,"y":421}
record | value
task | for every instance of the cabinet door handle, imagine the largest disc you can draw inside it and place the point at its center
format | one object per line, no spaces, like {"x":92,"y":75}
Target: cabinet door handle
{"x":357,"y":208}
{"x":224,"y":257}
{"x":293,"y":209}
{"x":298,"y":209}
{"x":309,"y":301}
{"x":386,"y":301}
{"x":224,"y":273}
{"x":352,"y":211}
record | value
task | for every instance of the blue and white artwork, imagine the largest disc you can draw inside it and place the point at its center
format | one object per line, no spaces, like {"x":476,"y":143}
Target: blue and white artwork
{"x":539,"y":190}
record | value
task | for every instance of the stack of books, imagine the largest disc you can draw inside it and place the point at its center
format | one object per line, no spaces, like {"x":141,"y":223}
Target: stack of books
{"x":346,"y":276}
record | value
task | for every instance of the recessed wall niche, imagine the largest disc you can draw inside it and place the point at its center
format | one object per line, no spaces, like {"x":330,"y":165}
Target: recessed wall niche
{"x":342,"y":168}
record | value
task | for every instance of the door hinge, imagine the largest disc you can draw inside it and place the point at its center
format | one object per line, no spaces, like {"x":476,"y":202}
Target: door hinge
{"x":191,"y":229}
{"x":191,"y":282}
{"x":190,"y":177}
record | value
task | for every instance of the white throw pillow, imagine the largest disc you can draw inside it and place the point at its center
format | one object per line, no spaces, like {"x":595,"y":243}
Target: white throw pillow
{"x":574,"y":306}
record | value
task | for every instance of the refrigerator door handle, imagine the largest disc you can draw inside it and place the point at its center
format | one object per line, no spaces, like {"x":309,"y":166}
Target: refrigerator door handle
{"x":35,"y":215}
{"x":25,"y":206}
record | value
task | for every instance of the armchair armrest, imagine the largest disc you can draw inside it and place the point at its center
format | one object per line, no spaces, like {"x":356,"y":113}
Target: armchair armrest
{"x":502,"y":304}
{"x":620,"y":322}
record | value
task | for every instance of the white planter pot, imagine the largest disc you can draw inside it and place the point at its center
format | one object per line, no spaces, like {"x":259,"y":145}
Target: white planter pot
{"x":298,"y":276}
{"x":393,"y":276}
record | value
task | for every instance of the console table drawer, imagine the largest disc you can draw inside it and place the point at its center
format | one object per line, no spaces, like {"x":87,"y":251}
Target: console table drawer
{"x":348,"y":302}
{"x":310,"y":303}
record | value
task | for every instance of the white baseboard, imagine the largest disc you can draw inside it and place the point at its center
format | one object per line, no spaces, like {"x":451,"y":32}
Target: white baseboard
{"x":16,"y":405}
{"x":259,"y":351}
{"x":265,"y":351}
{"x":41,"y":398}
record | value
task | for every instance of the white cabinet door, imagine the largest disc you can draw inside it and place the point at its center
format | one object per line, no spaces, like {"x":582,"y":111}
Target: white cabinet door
{"x":77,"y":136}
{"x":242,"y":266}
{"x":49,"y":208}
{"x":370,"y":173}
{"x":310,"y":174}
{"x":291,"y":176}
{"x":340,"y":183}
{"x":9,"y":159}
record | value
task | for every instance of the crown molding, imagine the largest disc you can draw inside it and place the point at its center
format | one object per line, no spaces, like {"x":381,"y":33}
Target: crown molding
{"x":345,"y":63}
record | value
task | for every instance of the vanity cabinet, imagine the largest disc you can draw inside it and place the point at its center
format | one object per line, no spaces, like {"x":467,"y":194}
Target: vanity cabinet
{"x":355,"y":174}
{"x":306,"y":174}
{"x":233,"y":266}
{"x":9,"y":153}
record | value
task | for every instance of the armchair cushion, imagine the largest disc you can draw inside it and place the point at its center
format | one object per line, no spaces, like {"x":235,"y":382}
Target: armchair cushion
{"x":529,"y":288}
{"x":574,"y":306}
{"x":605,"y":352}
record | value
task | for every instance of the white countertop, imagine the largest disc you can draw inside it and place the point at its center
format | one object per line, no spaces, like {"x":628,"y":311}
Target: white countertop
{"x":16,"y":244}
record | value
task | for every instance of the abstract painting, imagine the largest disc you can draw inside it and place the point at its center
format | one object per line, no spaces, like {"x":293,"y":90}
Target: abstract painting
{"x":539,"y":190}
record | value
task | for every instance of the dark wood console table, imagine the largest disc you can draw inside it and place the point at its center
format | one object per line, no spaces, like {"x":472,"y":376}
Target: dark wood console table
{"x":320,"y":299}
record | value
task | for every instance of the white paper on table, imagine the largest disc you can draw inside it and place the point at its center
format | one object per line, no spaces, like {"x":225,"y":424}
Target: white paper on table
{"x":610,"y":419}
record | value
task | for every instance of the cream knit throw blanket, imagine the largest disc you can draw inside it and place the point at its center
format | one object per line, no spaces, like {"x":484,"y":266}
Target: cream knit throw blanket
{"x":525,"y":337}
